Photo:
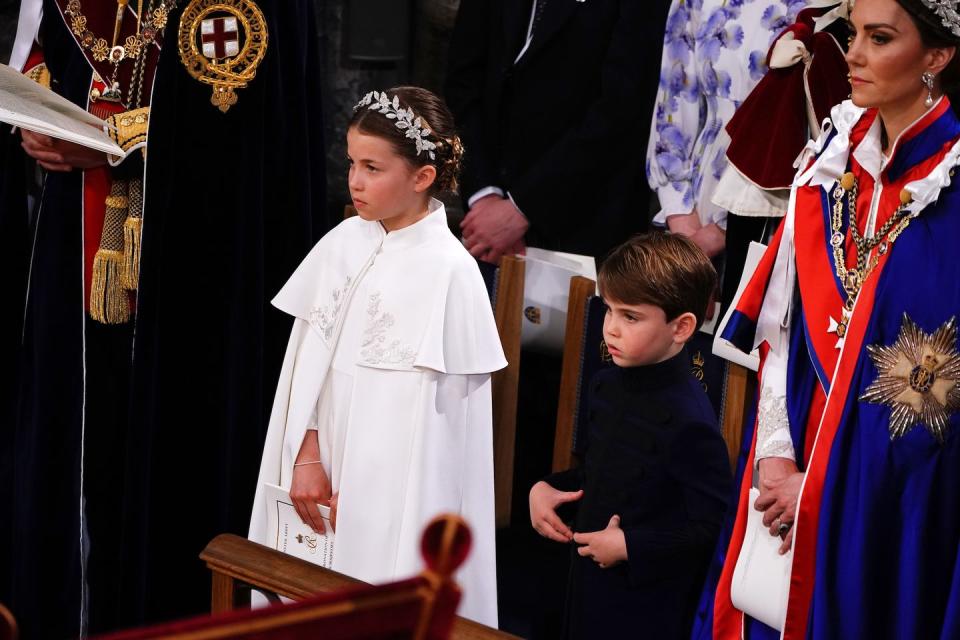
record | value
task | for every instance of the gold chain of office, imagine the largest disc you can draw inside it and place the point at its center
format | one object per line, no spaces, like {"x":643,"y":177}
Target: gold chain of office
{"x":148,"y":29}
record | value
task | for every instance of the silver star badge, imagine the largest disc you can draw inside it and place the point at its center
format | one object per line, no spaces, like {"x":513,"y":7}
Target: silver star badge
{"x":918,"y":378}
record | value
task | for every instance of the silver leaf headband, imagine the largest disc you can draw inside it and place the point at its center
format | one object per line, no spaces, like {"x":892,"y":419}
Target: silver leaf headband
{"x":947,"y":12}
{"x":406,"y":120}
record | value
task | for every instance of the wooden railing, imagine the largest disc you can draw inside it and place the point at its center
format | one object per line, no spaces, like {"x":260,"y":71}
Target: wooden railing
{"x":238,"y":563}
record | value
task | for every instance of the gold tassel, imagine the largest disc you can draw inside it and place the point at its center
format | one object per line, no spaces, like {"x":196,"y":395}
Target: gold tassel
{"x":132,"y":228}
{"x":109,"y":303}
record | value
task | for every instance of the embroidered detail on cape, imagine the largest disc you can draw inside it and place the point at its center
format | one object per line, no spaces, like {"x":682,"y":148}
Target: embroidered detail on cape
{"x":773,"y":427}
{"x":919,"y":378}
{"x":324,"y":318}
{"x":376,"y":347}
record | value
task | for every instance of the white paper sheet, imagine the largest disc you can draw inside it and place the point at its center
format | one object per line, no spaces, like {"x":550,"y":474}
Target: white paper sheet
{"x":724,"y":348}
{"x":546,"y":293}
{"x":26,"y":104}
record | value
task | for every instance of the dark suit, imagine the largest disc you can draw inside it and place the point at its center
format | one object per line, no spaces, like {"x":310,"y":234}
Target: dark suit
{"x":564,"y":130}
{"x":656,"y":458}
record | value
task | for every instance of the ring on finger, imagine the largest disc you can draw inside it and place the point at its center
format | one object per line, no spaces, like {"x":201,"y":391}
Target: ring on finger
{"x":783,"y":528}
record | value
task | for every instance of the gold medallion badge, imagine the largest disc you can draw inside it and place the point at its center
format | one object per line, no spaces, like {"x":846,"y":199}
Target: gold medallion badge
{"x":918,"y":379}
{"x":221,"y":44}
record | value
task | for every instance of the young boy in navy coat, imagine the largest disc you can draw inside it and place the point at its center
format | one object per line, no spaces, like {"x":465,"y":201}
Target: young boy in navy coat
{"x":651,"y":495}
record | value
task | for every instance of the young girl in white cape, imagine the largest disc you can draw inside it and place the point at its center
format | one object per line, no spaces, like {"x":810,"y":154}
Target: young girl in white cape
{"x":383,"y":407}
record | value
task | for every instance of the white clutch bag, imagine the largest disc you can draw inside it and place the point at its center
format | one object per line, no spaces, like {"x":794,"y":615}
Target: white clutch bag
{"x":761,"y":577}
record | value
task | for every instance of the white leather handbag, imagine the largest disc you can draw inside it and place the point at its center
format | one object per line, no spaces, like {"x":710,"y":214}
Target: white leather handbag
{"x":761,"y":577}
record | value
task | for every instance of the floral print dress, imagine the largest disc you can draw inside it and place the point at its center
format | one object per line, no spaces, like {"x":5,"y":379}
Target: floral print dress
{"x":713,"y":55}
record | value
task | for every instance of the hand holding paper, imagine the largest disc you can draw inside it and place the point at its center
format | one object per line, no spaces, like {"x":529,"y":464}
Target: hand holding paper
{"x":25,"y":104}
{"x":60,"y":155}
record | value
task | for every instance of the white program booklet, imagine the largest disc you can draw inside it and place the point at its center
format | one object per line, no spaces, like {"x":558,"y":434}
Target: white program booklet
{"x":288,"y":533}
{"x":724,"y":348}
{"x":26,"y":104}
{"x":546,"y":291}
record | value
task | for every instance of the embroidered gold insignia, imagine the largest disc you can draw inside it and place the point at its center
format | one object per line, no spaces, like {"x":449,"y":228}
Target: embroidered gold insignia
{"x":221,"y":44}
{"x":919,"y":378}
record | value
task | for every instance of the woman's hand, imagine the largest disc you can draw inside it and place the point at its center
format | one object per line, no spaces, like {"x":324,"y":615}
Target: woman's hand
{"x":544,"y":500}
{"x":711,"y":239}
{"x":779,"y":493}
{"x":684,"y":224}
{"x":310,"y":485}
{"x":60,"y":155}
{"x":773,"y":471}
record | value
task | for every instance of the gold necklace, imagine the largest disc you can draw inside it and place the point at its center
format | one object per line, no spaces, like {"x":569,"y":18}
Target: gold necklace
{"x":852,"y":279}
{"x":147,"y":31}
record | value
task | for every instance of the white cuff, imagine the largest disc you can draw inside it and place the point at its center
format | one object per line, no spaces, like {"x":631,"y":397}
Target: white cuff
{"x":482,"y":193}
{"x":671,"y":202}
{"x":773,"y":428}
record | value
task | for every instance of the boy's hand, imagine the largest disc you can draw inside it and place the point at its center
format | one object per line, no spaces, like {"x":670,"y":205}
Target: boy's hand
{"x":607,"y":547}
{"x":544,"y":501}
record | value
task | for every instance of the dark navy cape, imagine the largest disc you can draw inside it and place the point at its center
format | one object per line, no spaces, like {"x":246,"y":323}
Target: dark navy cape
{"x":161,"y":421}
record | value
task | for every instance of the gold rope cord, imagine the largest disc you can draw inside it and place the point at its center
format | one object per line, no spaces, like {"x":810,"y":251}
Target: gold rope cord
{"x":132,"y":229}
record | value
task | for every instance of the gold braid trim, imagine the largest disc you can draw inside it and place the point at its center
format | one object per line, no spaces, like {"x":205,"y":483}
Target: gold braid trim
{"x":129,"y":128}
{"x":40,"y":74}
{"x":109,"y":302}
{"x":132,"y":230}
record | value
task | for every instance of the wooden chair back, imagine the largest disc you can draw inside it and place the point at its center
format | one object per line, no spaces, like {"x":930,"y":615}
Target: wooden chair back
{"x":327,"y":604}
{"x":507,"y":300}
{"x":739,"y":392}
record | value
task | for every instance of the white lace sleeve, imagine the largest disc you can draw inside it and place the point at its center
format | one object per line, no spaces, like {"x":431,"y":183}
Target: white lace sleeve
{"x":773,"y":425}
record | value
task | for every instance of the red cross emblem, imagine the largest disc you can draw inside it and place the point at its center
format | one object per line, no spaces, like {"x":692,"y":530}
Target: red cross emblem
{"x":220,"y":37}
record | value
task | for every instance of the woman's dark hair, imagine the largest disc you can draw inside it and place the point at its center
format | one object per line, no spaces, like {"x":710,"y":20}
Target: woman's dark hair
{"x":435,"y":116}
{"x":934,"y":35}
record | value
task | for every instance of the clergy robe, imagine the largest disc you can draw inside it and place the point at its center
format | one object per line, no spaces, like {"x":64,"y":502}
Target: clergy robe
{"x":877,"y":532}
{"x":130,"y":455}
{"x":390,"y":356}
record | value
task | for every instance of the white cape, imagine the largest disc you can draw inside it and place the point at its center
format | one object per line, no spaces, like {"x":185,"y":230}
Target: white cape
{"x":422,"y":443}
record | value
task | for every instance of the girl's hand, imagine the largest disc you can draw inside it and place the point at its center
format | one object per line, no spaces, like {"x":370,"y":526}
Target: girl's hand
{"x":310,"y":485}
{"x":607,"y":547}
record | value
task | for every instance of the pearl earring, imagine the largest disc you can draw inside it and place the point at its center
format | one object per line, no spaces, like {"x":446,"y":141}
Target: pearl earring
{"x":927,"y":79}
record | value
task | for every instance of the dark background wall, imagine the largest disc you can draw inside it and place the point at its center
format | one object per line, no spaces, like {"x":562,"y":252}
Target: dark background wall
{"x":349,"y":29}
{"x":413,"y":34}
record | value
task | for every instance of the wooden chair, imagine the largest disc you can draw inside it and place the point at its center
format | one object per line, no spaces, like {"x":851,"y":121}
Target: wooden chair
{"x":419,"y":608}
{"x":739,"y":392}
{"x":584,"y":353}
{"x":507,"y":300}
{"x":582,"y":350}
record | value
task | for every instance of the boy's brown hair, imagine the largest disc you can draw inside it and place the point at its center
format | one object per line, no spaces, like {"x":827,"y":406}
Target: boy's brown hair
{"x":663,"y":269}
